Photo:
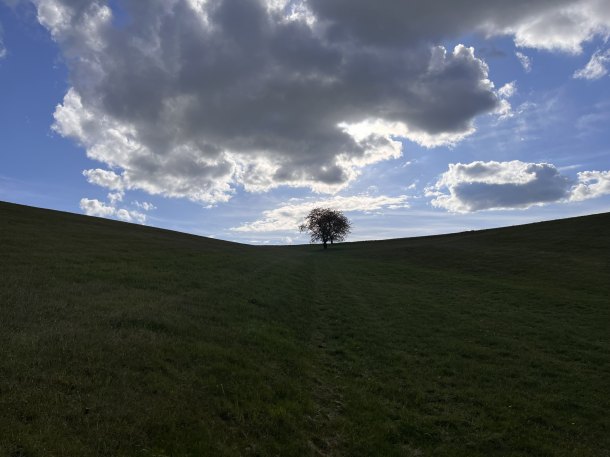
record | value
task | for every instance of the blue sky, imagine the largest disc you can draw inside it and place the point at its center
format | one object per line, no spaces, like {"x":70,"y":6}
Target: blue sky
{"x":233,"y":118}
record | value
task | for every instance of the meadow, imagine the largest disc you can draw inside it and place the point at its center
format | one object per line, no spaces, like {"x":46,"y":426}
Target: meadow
{"x":123,"y":340}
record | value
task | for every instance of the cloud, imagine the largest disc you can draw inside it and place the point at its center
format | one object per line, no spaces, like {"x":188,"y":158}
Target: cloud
{"x":191,"y":99}
{"x":145,"y":205}
{"x":563,"y":27}
{"x":115,"y":197}
{"x":508,"y":90}
{"x":525,"y":61}
{"x":105,"y":178}
{"x":507,"y":185}
{"x":3,"y":51}
{"x":591,"y":184}
{"x":498,"y":185}
{"x":94,"y":207}
{"x":290,"y":215}
{"x":596,"y":67}
{"x":505,"y":109}
{"x":556,"y":25}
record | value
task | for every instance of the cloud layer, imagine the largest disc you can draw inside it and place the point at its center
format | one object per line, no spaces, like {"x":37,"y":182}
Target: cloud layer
{"x":288,"y":216}
{"x":192,"y":98}
{"x":480,"y":186}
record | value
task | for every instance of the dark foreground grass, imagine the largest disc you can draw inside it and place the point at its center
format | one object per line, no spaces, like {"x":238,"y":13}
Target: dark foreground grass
{"x":121,"y":340}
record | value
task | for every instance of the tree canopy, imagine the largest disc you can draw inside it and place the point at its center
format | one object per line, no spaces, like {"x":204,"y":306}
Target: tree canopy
{"x":326,"y":225}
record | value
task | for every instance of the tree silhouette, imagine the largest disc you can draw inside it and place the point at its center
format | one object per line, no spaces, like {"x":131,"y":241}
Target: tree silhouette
{"x":325,"y":224}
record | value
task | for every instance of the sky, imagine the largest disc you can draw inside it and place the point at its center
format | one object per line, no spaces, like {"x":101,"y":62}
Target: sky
{"x":234,"y":118}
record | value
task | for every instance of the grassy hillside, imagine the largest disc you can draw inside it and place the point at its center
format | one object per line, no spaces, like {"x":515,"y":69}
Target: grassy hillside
{"x":121,"y":340}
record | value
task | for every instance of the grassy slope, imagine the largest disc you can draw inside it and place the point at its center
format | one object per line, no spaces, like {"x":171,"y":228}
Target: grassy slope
{"x":118,"y":339}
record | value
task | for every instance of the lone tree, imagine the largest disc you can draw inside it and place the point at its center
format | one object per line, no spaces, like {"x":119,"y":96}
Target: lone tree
{"x":325,"y":224}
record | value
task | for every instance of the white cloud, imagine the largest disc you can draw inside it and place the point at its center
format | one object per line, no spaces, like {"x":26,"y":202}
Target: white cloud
{"x":596,"y":67}
{"x":563,"y":27}
{"x":290,"y":215}
{"x":145,"y":205}
{"x":505,"y":109}
{"x":115,"y":197}
{"x":525,"y":61}
{"x":130,"y":216}
{"x":591,"y":184}
{"x":105,"y":178}
{"x":508,"y":89}
{"x":94,"y":207}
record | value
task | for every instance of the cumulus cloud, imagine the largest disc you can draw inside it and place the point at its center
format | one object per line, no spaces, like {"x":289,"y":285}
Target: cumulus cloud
{"x":596,"y":67}
{"x":498,"y":185}
{"x":105,"y":178}
{"x":591,"y":184}
{"x":506,"y":185}
{"x":94,"y":207}
{"x":193,"y":98}
{"x":525,"y":61}
{"x":556,"y":25}
{"x":190,"y":99}
{"x":290,"y":215}
{"x":563,"y":27}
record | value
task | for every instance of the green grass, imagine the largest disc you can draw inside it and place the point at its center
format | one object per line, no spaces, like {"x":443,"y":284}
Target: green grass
{"x":122,"y":340}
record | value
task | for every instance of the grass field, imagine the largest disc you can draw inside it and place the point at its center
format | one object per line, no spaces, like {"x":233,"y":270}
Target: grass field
{"x":122,"y":340}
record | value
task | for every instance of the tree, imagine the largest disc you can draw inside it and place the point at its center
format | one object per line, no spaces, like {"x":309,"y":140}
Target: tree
{"x":325,"y":224}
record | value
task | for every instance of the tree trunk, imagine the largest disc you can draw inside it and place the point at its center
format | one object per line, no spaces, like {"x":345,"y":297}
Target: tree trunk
{"x":325,"y":245}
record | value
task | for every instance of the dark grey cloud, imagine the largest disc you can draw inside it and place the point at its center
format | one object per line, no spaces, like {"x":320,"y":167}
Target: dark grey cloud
{"x":399,"y":22}
{"x":549,"y":24}
{"x":189,"y":98}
